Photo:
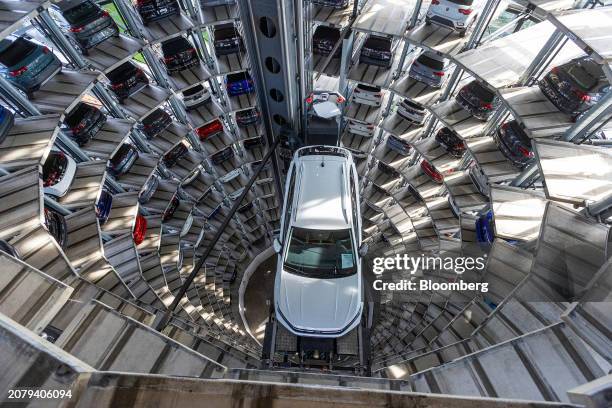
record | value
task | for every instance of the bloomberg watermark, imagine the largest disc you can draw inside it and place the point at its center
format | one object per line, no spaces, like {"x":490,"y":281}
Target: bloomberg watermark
{"x":406,"y":264}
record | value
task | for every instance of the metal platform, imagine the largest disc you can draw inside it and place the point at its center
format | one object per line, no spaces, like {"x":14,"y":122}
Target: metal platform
{"x":61,"y":93}
{"x":518,"y":213}
{"x":491,"y":162}
{"x":331,"y":17}
{"x":458,"y":119}
{"x":122,"y":215}
{"x":158,"y":31}
{"x":437,"y":155}
{"x":464,"y":193}
{"x":219,"y":14}
{"x":331,"y":69}
{"x":365,"y":113}
{"x":112,"y":133}
{"x":574,"y":173}
{"x":85,"y":187}
{"x":386,"y":17}
{"x":356,"y":142}
{"x":204,"y":114}
{"x":14,"y":13}
{"x":169,"y":137}
{"x":188,"y":77}
{"x":240,"y":102}
{"x":374,"y":74}
{"x":28,"y":142}
{"x":139,"y":172}
{"x":405,"y":129}
{"x":438,"y":39}
{"x":532,"y":109}
{"x":415,"y":90}
{"x":227,"y":64}
{"x":145,"y":101}
{"x":113,"y":52}
{"x":217,"y":142}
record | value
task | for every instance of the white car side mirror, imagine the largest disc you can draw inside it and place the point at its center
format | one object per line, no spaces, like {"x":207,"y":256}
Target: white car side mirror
{"x":277,"y":245}
{"x":363,"y":250}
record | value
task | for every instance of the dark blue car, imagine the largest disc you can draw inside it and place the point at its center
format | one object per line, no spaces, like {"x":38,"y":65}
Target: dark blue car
{"x":6,"y":122}
{"x":103,"y":206}
{"x":239,"y":83}
{"x":485,"y":228}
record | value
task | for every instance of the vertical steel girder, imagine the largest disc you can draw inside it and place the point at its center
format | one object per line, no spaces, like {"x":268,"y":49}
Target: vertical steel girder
{"x":59,"y":38}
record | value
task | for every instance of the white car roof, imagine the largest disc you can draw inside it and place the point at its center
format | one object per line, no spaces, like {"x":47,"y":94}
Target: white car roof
{"x":319,"y":193}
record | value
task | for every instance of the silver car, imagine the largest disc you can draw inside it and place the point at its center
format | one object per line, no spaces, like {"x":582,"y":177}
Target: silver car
{"x":430,"y":69}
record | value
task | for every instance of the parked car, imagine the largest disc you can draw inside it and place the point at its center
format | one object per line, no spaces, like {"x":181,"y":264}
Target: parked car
{"x":153,"y":10}
{"x":140,"y":229}
{"x":209,"y":129}
{"x":576,"y":86}
{"x":478,"y":100}
{"x":248,"y":117}
{"x":174,"y":155}
{"x":56,"y":225}
{"x":156,"y":122}
{"x":222,"y":155}
{"x":171,"y":208}
{"x":388,"y":170}
{"x":216,"y":3}
{"x":514,"y":143}
{"x":227,"y":39}
{"x":318,"y":287}
{"x":84,"y":122}
{"x":358,"y":127}
{"x":479,"y":179}
{"x":196,"y":96}
{"x":431,"y":171}
{"x":85,"y":22}
{"x":324,"y":39}
{"x":367,"y":95}
{"x":239,"y":83}
{"x":9,"y":249}
{"x":337,"y":4}
{"x":58,"y":173}
{"x":485,"y":228}
{"x":451,"y":142}
{"x":179,"y":54}
{"x":26,"y":64}
{"x":148,"y":189}
{"x":411,"y":111}
{"x":398,"y":145}
{"x":123,"y":159}
{"x":458,"y":15}
{"x":429,"y":68}
{"x":453,"y":206}
{"x":254,"y":142}
{"x":103,"y":206}
{"x":7,"y":119}
{"x":376,"y":50}
{"x":126,"y":80}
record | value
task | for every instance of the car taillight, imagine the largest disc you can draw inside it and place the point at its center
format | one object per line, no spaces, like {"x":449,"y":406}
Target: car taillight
{"x":105,"y":14}
{"x":18,"y":72}
{"x":78,"y":128}
{"x":377,"y":94}
{"x":309,"y":99}
{"x":168,"y":59}
{"x":435,"y":2}
{"x":584,"y":97}
{"x":465,"y":12}
{"x":439,"y":73}
{"x":486,"y":105}
{"x":77,"y":29}
{"x":525,"y":152}
{"x":357,"y":90}
{"x":140,"y":229}
{"x":371,"y":127}
{"x":45,"y":50}
{"x":340,"y":99}
{"x":117,"y":86}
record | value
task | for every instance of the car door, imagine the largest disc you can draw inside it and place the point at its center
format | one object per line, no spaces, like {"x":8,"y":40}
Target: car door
{"x":288,"y":205}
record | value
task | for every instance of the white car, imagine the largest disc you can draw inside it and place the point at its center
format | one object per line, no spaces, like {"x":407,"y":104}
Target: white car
{"x":196,"y":96}
{"x":411,"y":111}
{"x":318,"y":287}
{"x":58,"y":173}
{"x":367,"y":95}
{"x":360,"y":128}
{"x":458,"y":15}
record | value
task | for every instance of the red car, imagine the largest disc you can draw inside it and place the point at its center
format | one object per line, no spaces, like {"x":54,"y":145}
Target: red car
{"x":209,"y":129}
{"x":140,"y":229}
{"x":431,"y":171}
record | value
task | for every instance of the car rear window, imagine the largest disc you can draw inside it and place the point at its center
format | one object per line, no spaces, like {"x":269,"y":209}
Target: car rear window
{"x":481,"y":91}
{"x":369,"y":88}
{"x":327,"y":33}
{"x":581,"y":77}
{"x":463,"y":2}
{"x":74,"y":117}
{"x":121,"y":153}
{"x":175,"y":45}
{"x":16,"y":52}
{"x":81,"y":12}
{"x":239,"y":76}
{"x":122,"y":72}
{"x":193,"y":91}
{"x":431,"y":62}
{"x":378,"y":43}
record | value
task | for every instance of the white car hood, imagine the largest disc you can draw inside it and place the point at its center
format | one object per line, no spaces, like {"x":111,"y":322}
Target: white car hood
{"x":324,"y":305}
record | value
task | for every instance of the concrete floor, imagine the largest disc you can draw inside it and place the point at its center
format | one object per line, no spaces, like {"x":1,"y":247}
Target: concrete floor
{"x":259,"y":297}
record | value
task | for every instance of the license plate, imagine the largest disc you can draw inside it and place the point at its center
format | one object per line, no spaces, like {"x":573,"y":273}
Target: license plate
{"x":163,"y":10}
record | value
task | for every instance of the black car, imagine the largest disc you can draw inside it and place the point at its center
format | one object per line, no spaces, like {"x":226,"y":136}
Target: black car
{"x":337,"y":4}
{"x":254,"y":142}
{"x":121,"y":162}
{"x":227,"y":40}
{"x":56,"y":225}
{"x":576,"y":86}
{"x":248,"y":117}
{"x":9,"y":249}
{"x":103,"y":206}
{"x":156,"y":122}
{"x":388,"y":170}
{"x":83,"y":122}
{"x":477,"y":99}
{"x":153,"y":10}
{"x":7,"y":119}
{"x":86,"y":22}
{"x":514,"y":143}
{"x":148,"y":189}
{"x":450,"y":141}
{"x":324,"y":39}
{"x":126,"y":80}
{"x":179,"y":54}
{"x":171,"y":208}
{"x":222,"y":156}
{"x":174,"y":155}
{"x":376,"y":50}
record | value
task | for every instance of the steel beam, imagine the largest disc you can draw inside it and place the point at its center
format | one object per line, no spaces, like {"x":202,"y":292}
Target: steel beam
{"x":59,"y":38}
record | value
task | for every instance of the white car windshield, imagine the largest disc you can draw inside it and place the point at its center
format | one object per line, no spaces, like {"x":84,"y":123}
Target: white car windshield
{"x":320,"y":253}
